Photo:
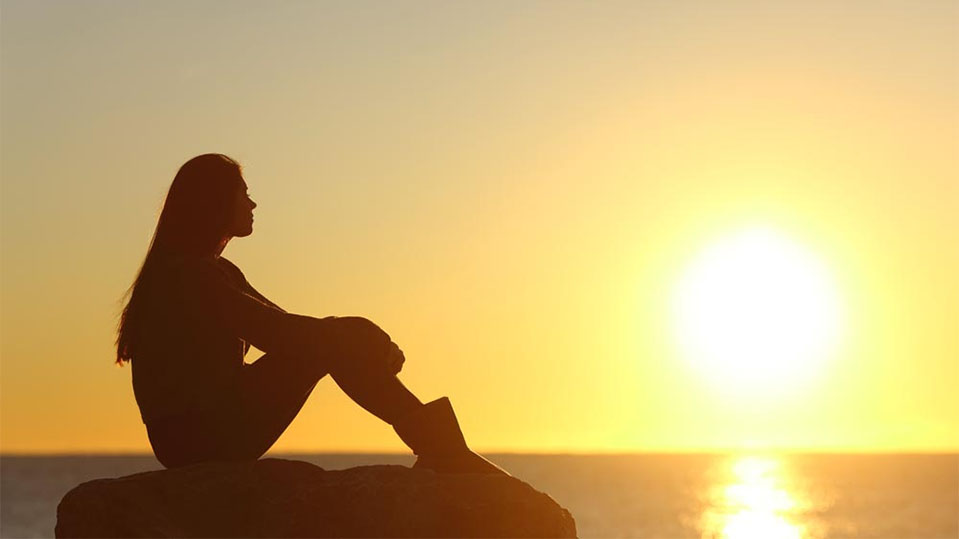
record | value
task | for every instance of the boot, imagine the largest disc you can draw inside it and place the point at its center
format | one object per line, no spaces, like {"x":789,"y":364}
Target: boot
{"x":434,"y":435}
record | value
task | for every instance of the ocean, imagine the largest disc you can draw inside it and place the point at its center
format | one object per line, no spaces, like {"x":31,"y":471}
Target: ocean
{"x":637,"y":495}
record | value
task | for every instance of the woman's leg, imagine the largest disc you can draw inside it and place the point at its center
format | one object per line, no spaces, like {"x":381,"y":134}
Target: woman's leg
{"x":187,"y":439}
{"x":368,"y":382}
{"x":275,"y":387}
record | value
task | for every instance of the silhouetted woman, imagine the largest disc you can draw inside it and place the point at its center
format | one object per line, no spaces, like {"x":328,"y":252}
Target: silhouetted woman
{"x":192,"y":315}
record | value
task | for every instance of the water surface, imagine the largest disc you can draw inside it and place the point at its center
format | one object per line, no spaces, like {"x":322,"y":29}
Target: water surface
{"x":700,"y":496}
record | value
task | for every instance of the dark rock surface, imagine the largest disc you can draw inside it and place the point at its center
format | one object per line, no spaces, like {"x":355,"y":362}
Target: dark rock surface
{"x":286,"y":498}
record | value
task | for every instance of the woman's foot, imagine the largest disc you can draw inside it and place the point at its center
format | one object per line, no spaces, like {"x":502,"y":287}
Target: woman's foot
{"x":434,"y":435}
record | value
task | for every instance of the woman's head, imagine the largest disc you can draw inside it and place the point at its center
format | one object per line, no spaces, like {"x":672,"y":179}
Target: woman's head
{"x":207,"y":204}
{"x":201,"y":207}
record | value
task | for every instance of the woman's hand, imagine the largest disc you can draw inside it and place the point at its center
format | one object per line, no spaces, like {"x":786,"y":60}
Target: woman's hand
{"x":395,"y":359}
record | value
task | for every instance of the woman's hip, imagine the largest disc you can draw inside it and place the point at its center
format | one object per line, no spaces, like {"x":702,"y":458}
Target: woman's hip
{"x":199,"y":436}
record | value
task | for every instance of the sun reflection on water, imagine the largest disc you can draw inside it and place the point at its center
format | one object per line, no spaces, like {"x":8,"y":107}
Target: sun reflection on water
{"x":753,"y":504}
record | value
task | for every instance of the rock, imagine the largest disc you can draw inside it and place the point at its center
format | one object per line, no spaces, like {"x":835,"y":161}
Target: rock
{"x":286,"y":498}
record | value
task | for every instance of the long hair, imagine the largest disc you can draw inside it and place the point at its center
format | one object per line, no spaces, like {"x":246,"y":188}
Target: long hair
{"x":195,"y":218}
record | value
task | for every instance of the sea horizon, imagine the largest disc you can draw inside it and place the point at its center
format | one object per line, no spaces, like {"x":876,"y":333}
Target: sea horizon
{"x":724,"y":452}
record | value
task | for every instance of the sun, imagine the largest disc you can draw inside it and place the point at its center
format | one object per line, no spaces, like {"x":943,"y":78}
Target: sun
{"x":756,"y":309}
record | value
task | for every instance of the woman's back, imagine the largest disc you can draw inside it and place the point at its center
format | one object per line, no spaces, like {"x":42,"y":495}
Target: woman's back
{"x":185,"y":361}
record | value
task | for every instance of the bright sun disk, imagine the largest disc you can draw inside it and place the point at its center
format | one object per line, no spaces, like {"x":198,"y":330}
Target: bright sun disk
{"x":756,"y":308}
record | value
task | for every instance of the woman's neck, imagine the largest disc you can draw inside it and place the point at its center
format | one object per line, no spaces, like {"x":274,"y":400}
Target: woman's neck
{"x":220,"y":246}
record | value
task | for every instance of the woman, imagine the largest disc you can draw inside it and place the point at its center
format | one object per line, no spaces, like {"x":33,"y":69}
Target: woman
{"x":192,"y":315}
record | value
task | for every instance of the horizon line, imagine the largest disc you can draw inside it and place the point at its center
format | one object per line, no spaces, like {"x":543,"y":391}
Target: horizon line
{"x":710,"y":452}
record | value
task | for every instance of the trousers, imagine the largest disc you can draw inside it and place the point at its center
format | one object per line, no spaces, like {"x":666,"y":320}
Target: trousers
{"x":271,"y":392}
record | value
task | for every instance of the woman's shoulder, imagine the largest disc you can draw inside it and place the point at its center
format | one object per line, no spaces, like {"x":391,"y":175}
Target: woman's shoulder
{"x":186,"y":269}
{"x":178,"y":263}
{"x":225,"y":262}
{"x":200,"y":272}
{"x":232,"y":270}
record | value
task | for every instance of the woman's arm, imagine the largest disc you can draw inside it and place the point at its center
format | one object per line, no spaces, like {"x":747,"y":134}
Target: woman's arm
{"x":255,"y":293}
{"x":212,"y":299}
{"x":241,"y":278}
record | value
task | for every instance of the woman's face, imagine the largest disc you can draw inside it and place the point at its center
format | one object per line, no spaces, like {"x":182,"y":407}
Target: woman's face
{"x":242,"y":224}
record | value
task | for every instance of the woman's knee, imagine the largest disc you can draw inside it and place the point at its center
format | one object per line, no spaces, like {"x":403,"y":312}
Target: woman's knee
{"x":359,"y":362}
{"x":358,"y":340}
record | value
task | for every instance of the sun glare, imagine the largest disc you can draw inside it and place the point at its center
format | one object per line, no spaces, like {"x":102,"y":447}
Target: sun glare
{"x":756,"y":503}
{"x":756,"y":309}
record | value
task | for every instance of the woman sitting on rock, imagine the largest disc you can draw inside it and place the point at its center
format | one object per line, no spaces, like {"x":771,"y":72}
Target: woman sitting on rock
{"x":192,"y":315}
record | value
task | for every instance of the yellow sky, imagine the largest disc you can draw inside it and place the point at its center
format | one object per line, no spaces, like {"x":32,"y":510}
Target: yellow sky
{"x":511,"y":190}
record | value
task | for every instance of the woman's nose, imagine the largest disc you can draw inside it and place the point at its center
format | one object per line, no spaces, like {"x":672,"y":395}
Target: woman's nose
{"x":252,"y":204}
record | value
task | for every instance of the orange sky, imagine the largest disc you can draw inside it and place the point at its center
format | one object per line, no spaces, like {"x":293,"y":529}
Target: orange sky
{"x":512,"y":190}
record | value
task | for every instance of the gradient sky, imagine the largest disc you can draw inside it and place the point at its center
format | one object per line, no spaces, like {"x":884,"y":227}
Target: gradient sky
{"x":511,"y":189}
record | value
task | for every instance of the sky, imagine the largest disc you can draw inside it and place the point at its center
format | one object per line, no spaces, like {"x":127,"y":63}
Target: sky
{"x":514,"y":191}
